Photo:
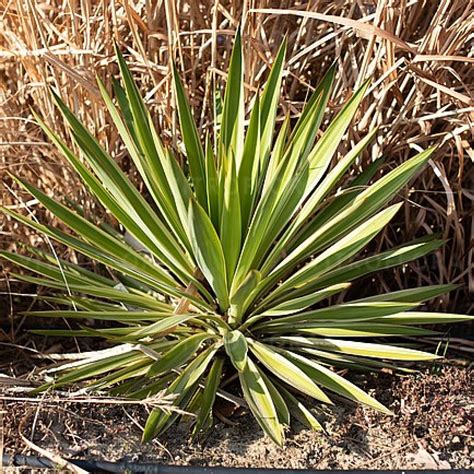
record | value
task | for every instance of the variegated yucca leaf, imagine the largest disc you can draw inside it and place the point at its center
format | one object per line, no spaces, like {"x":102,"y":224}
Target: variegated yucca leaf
{"x":228,"y":269}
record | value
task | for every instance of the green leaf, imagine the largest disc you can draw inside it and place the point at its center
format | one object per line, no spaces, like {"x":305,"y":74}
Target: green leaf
{"x":104,"y":333}
{"x":260,"y":402}
{"x":58,"y":273}
{"x":93,"y":234}
{"x":230,"y":224}
{"x":204,"y":418}
{"x":236,"y":348}
{"x":355,"y":363}
{"x":362,"y":329}
{"x":425,"y":318}
{"x":358,"y":210}
{"x":278,"y":400}
{"x":390,"y":258}
{"x":365,"y":349}
{"x":128,"y":373}
{"x":241,"y":298}
{"x":269,"y":105}
{"x":212,"y":186}
{"x":182,"y":193}
{"x":132,"y":297}
{"x":192,"y":142}
{"x":184,"y":387}
{"x":345,"y":312}
{"x":298,"y":410}
{"x":160,"y":420}
{"x":167,"y":324}
{"x":92,"y":276}
{"x":248,"y":171}
{"x":178,"y":355}
{"x":151,"y":281}
{"x":277,"y":154}
{"x":114,"y":315}
{"x":290,"y":306}
{"x":308,"y":124}
{"x":316,"y":164}
{"x":101,"y":363}
{"x":147,"y":143}
{"x":341,"y":251}
{"x":311,"y":206}
{"x":284,"y":369}
{"x":338,"y":202}
{"x":139,"y":391}
{"x":134,"y":206}
{"x":208,"y":252}
{"x":232,"y":125}
{"x":415,"y":295}
{"x":329,"y":379}
{"x":294,"y":183}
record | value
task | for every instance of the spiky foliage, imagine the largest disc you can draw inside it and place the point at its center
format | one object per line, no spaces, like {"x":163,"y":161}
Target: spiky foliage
{"x":229,"y":265}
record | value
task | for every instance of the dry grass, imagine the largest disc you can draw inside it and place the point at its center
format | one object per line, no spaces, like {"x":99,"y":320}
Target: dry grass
{"x":418,"y":52}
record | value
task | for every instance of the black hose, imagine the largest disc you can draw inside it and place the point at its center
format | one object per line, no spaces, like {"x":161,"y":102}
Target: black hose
{"x":94,"y":466}
{"x":132,"y":467}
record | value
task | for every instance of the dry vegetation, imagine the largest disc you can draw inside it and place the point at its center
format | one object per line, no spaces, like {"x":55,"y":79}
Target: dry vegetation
{"x":418,"y":52}
{"x":431,"y":430}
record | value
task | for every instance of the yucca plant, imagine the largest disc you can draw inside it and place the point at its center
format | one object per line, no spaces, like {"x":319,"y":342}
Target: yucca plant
{"x":226,"y":271}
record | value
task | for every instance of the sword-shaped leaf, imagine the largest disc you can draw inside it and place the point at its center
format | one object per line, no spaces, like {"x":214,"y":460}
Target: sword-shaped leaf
{"x":415,"y":295}
{"x":184,"y":388}
{"x":299,"y":410}
{"x":295,"y":305}
{"x":284,"y":369}
{"x":269,"y":105}
{"x":364,"y":205}
{"x":242,"y":297}
{"x":348,"y":312}
{"x":365,"y":349}
{"x":341,"y":251}
{"x":232,"y":125}
{"x":231,"y":222}
{"x":425,"y":318}
{"x":329,"y":379}
{"x":278,"y":400}
{"x":192,"y":142}
{"x":208,"y":252}
{"x":362,"y":329}
{"x":236,"y":348}
{"x":388,"y":259}
{"x":204,"y":417}
{"x":248,"y":171}
{"x":179,"y":354}
{"x":260,"y":402}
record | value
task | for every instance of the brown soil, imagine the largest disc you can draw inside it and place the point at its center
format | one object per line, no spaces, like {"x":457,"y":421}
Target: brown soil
{"x":432,"y":429}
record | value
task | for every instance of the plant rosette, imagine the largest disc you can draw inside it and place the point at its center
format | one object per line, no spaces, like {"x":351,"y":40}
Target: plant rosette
{"x":229,"y":267}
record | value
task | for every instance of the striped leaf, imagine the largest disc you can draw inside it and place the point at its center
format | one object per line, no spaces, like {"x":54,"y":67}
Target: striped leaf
{"x":260,"y":402}
{"x":284,"y":369}
{"x":208,"y":252}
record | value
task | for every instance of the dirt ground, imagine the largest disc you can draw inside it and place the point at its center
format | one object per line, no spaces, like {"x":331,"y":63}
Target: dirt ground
{"x":432,"y":429}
